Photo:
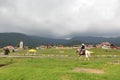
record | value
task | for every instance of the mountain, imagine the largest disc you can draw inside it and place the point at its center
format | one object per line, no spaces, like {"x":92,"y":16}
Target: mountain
{"x":46,"y":41}
{"x":97,"y":40}
{"x":15,"y":38}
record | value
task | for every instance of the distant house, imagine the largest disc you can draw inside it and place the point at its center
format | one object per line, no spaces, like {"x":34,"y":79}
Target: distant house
{"x":76,"y":46}
{"x":104,"y":45}
{"x":42,"y":47}
{"x":60,"y":46}
{"x":98,"y":46}
{"x":90,"y":46}
{"x":10,"y":48}
{"x":107,"y":45}
{"x":118,"y":48}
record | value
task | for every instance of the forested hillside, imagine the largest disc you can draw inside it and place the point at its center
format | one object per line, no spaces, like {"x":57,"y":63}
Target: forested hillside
{"x":15,"y":38}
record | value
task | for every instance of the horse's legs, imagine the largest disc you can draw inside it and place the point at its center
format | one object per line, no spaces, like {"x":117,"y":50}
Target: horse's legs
{"x":86,"y":59}
{"x":79,"y":56}
{"x":87,"y":55}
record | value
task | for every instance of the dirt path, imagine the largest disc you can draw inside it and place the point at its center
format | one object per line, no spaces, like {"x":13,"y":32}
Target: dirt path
{"x":88,"y":70}
{"x":31,"y":56}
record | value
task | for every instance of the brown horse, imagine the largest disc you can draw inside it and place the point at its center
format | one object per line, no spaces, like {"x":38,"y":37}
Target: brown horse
{"x":84,"y":52}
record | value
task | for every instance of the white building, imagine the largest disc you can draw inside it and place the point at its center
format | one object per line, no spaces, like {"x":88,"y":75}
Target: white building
{"x":21,"y":44}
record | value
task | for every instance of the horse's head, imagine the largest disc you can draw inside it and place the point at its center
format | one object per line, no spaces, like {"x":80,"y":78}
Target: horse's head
{"x":78,"y":50}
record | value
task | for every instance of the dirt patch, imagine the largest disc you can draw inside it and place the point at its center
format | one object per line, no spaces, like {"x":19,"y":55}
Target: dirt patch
{"x":115,"y":62}
{"x":2,"y":65}
{"x":88,"y":70}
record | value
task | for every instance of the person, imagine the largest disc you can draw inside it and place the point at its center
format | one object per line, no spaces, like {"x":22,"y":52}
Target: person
{"x":6,"y":51}
{"x":82,"y":48}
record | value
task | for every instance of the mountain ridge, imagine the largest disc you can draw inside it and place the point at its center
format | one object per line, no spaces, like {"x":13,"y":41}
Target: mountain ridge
{"x":30,"y":40}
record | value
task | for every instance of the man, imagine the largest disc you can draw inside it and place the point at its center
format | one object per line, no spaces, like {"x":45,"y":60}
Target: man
{"x":82,"y":48}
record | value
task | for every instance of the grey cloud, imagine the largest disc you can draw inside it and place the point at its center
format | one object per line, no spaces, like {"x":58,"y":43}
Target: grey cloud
{"x":60,"y":18}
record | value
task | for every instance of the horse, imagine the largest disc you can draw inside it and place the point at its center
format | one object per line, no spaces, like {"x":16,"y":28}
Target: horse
{"x":85,"y":52}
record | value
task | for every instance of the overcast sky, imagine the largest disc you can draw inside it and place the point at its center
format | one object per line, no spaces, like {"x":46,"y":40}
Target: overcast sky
{"x":61,"y":18}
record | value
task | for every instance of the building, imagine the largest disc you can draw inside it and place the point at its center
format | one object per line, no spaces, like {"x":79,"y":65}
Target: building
{"x":21,"y":44}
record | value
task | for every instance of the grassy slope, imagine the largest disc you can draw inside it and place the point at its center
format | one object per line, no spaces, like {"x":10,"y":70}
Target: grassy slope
{"x":60,"y":68}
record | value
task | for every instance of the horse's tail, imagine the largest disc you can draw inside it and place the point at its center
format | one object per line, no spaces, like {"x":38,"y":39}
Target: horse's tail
{"x":91,"y":52}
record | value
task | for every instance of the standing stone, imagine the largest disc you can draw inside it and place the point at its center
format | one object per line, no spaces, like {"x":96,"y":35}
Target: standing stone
{"x":21,"y":44}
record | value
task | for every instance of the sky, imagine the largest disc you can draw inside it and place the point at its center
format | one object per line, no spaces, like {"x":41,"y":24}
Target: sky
{"x":61,"y":18}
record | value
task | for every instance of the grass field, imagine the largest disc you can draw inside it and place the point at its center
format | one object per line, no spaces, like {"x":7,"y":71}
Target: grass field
{"x":61,"y":64}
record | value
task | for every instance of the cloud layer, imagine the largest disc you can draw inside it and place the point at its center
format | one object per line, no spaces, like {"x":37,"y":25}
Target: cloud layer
{"x":61,"y":18}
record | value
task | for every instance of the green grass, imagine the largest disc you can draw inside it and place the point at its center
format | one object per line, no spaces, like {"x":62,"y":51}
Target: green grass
{"x":60,"y":68}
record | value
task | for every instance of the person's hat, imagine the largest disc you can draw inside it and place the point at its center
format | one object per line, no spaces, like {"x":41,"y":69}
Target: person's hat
{"x":82,"y":44}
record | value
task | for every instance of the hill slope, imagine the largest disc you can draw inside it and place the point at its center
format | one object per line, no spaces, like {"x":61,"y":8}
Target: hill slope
{"x":15,"y":38}
{"x":97,"y":40}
